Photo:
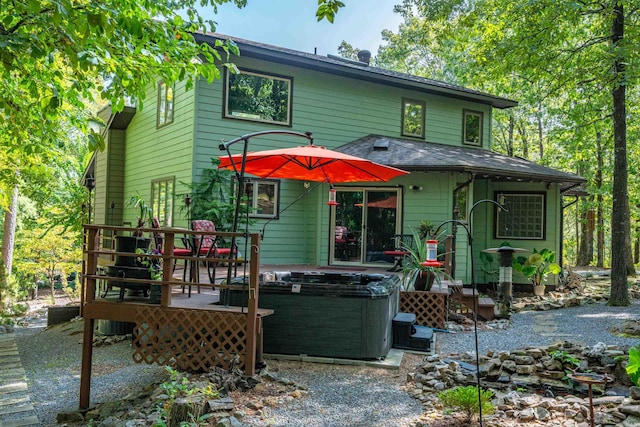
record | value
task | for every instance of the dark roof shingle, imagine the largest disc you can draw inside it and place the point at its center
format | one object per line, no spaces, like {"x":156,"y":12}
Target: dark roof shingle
{"x":419,"y":155}
{"x":355,"y":69}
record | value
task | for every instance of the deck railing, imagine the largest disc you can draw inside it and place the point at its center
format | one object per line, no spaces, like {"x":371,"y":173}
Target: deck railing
{"x":191,"y":338}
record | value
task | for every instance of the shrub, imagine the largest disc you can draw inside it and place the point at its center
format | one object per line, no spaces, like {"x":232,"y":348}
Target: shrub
{"x":178,"y":385}
{"x":466,"y":400}
{"x":633,"y":367}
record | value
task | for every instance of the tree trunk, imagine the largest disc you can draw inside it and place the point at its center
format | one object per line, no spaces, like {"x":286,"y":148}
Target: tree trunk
{"x":540,"y":138}
{"x":599,"y":203}
{"x":525,"y":142}
{"x":620,"y":223}
{"x":636,"y":246}
{"x":8,"y":240}
{"x":585,"y":251}
{"x":510,"y":139}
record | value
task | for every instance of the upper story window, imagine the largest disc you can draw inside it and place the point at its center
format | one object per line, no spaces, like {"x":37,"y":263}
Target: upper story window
{"x":258,"y":97}
{"x":413,"y":118}
{"x":472,"y":128}
{"x":165,"y":105}
{"x":263,"y":198}
{"x":526,"y":216}
{"x":162,"y":200}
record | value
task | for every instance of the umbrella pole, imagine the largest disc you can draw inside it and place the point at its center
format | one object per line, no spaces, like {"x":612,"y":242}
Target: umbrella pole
{"x":236,"y":215}
{"x":240,"y":175}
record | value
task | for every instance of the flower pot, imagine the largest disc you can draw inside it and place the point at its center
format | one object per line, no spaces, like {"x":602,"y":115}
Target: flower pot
{"x":130,"y":244}
{"x":424,"y":281}
{"x":538,"y":290}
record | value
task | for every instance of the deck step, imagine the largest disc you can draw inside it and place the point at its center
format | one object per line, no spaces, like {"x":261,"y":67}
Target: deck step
{"x":486,"y":302}
{"x":469,"y":292}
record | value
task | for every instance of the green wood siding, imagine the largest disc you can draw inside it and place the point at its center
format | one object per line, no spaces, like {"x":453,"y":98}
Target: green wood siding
{"x":153,"y":153}
{"x":109,"y":170}
{"x":337,"y":110}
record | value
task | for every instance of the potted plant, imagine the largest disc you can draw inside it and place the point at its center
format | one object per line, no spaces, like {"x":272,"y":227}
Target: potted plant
{"x":425,"y":228}
{"x":144,"y":211}
{"x":130,"y":244}
{"x":536,"y":267}
{"x":415,"y":274}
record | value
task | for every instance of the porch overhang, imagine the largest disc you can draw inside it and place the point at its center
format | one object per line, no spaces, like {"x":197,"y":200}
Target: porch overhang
{"x":413,"y":155}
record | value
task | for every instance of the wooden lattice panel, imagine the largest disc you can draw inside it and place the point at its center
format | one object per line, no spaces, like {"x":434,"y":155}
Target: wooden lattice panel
{"x":430,"y":308}
{"x":189,"y":340}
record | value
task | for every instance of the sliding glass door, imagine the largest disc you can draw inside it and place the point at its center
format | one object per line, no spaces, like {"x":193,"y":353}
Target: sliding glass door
{"x":365,"y":221}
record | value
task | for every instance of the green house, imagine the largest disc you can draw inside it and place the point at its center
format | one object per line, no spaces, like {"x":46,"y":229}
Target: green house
{"x":440,"y":133}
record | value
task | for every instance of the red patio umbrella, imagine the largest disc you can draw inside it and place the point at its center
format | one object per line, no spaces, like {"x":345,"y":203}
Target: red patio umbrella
{"x":311,"y":163}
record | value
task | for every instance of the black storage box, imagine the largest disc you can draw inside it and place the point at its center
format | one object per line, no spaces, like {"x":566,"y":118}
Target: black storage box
{"x":409,"y":336}
{"x":402,"y":326}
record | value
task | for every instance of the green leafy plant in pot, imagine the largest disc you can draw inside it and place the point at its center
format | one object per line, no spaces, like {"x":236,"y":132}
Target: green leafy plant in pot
{"x":536,"y":267}
{"x":144,"y":211}
{"x":415,"y":274}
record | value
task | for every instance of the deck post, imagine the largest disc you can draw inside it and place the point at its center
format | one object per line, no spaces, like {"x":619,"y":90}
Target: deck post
{"x":252,"y":307}
{"x":85,"y":371}
{"x":448,"y":251}
{"x":167,"y":269}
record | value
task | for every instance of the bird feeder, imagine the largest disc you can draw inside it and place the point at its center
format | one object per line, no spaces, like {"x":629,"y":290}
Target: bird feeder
{"x":432,"y":255}
{"x":332,"y":197}
{"x":505,"y":277}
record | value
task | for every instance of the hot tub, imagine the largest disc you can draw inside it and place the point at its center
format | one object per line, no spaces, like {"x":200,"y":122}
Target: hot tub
{"x":326,"y":314}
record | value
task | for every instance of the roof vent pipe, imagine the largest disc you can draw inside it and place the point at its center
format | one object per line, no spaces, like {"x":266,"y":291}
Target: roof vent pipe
{"x":364,"y":56}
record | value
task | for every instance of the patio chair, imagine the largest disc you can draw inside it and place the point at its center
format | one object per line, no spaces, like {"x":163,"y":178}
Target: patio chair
{"x":206,"y":246}
{"x":343,"y":241}
{"x":158,"y":239}
{"x":400,"y":244}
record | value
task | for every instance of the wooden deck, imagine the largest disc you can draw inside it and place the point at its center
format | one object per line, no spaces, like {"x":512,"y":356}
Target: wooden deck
{"x":190,"y":331}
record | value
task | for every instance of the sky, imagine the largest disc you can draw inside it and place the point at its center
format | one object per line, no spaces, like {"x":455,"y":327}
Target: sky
{"x":293,"y":24}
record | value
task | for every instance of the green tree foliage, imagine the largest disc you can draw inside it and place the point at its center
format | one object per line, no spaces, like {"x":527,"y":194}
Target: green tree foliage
{"x":46,"y":253}
{"x":566,"y":62}
{"x":212,"y":197}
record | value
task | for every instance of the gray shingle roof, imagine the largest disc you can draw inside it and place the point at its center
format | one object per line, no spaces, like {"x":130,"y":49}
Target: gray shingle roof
{"x":419,"y":155}
{"x":355,"y":69}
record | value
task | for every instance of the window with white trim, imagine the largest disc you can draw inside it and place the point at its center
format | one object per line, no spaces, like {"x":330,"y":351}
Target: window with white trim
{"x":165,"y":105}
{"x":525,"y":218}
{"x":258,"y":97}
{"x":263,"y":198}
{"x":162,"y":191}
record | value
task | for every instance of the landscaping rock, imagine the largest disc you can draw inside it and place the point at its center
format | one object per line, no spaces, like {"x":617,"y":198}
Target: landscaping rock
{"x":548,"y":394}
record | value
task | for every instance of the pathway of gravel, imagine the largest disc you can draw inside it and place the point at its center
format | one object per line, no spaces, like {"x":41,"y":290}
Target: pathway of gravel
{"x":586,"y":324}
{"x":339,"y":395}
{"x":353,"y":399}
{"x":52,"y":359}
